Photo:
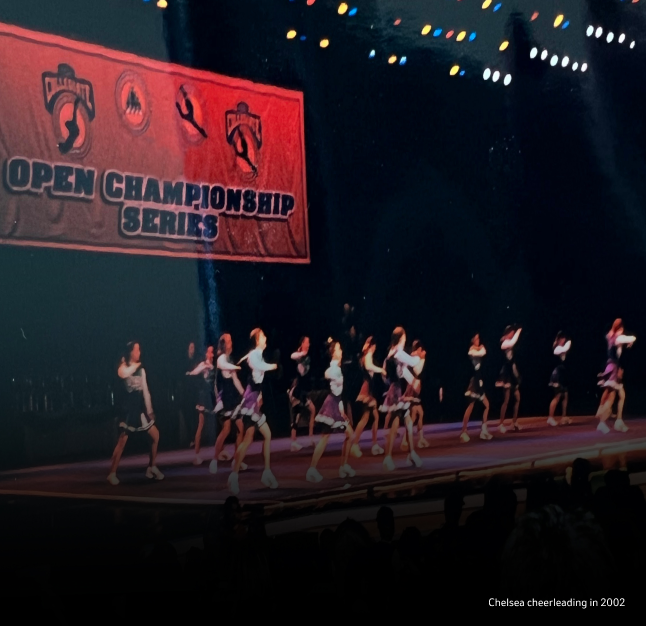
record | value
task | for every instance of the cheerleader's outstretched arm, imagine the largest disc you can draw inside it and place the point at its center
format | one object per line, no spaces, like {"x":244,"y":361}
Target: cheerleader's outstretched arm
{"x":510,"y":343}
{"x":562,"y":349}
{"x":198,"y":370}
{"x":371,"y":367}
{"x":225,"y":364}
{"x":407,"y":359}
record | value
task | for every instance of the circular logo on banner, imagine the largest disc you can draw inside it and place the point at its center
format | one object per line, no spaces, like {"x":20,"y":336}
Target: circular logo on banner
{"x":191,"y":114}
{"x":133,"y":103}
{"x":72,"y":125}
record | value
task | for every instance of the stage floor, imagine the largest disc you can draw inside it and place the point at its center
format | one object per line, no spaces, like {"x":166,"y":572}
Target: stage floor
{"x":537,"y":447}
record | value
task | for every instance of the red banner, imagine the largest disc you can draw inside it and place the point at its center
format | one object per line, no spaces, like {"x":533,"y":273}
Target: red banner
{"x":105,"y":151}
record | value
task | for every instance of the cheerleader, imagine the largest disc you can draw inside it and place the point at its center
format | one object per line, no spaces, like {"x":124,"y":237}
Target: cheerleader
{"x":558,"y":380}
{"x":249,"y":410}
{"x":412,"y":395}
{"x":139,"y":415}
{"x":229,"y":394}
{"x":612,"y":378}
{"x":368,"y":399}
{"x":396,"y":366}
{"x":332,"y":418}
{"x":205,"y":397}
{"x":509,"y":378}
{"x":299,"y":393}
{"x":475,"y":391}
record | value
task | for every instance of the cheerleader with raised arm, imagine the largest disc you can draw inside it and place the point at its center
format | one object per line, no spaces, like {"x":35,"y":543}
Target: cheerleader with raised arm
{"x":396,"y":366}
{"x":475,"y":391}
{"x":612,"y":378}
{"x":229,"y":393}
{"x":412,"y":395}
{"x":368,"y":398}
{"x":139,"y":416}
{"x":205,"y":397}
{"x":509,"y":378}
{"x":558,"y":380}
{"x":250,"y":412}
{"x":332,"y":418}
{"x":299,"y":393}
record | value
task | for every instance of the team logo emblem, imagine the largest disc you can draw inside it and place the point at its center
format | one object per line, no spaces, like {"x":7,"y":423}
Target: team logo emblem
{"x":190,"y":114}
{"x":244,"y":134}
{"x":70,"y":100}
{"x":133,"y":102}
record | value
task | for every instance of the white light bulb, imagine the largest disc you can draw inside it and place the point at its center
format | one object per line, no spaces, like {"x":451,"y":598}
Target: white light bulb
{"x":533,"y":53}
{"x":575,"y":65}
{"x":589,"y":31}
{"x":622,"y":37}
{"x":610,"y":37}
{"x":565,"y":61}
{"x":507,"y":79}
{"x":487,"y":74}
{"x":584,"y":67}
{"x":554,"y":60}
{"x":598,"y":32}
{"x":543,"y":55}
{"x":632,"y":45}
{"x":496,"y":76}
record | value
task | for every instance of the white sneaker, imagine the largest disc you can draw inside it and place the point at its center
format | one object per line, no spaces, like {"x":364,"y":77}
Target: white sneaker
{"x":213,"y":467}
{"x":502,"y":429}
{"x":621,"y":426}
{"x":389,"y":464}
{"x":232,"y":483}
{"x":197,"y":460}
{"x":269,"y":480}
{"x":517,"y":427}
{"x":377,"y":450}
{"x":464,"y":438}
{"x":603,"y":428}
{"x":348,"y":471}
{"x":224,"y":456}
{"x":313,"y":475}
{"x":423,"y":443}
{"x":552,"y":422}
{"x":484,"y":434}
{"x":409,"y":461}
{"x":355,"y":451}
{"x":153,"y":472}
{"x":243,"y":465}
{"x":295,"y":447}
{"x":565,"y":421}
{"x":404,"y":445}
{"x":416,"y":459}
{"x":113,"y":480}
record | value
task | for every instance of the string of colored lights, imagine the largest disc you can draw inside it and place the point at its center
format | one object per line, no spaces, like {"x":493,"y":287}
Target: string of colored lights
{"x":560,"y":22}
{"x":609,"y":37}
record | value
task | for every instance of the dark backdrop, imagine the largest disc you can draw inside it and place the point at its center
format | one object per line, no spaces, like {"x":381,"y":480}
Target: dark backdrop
{"x":449,"y":205}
